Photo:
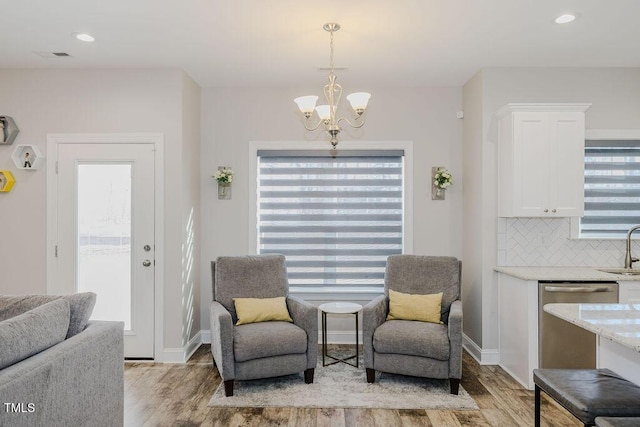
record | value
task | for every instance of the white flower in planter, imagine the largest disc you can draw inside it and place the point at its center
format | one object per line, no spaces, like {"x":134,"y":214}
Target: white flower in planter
{"x":442,"y":179}
{"x":224,"y":176}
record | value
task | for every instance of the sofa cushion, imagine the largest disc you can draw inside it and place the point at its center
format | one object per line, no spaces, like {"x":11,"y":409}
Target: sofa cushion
{"x":424,"y":308}
{"x":29,"y":333}
{"x":267,"y":339}
{"x":412,"y":338}
{"x":81,"y":306}
{"x":254,"y":310}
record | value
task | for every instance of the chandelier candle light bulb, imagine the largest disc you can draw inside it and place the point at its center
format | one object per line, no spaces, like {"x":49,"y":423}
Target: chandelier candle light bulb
{"x":332,"y":93}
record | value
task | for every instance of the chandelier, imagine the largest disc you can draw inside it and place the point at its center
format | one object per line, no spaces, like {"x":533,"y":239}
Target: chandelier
{"x":332,"y":93}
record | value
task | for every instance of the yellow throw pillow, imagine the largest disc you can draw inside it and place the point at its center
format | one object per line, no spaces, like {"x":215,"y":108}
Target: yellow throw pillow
{"x":425,"y":308}
{"x":254,"y":310}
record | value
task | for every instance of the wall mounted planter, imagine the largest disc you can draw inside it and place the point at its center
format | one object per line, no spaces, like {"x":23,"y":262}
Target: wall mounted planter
{"x":437,"y":193}
{"x":224,"y":191}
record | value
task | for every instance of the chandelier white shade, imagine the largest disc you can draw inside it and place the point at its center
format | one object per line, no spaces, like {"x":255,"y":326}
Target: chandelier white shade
{"x":327,"y":113}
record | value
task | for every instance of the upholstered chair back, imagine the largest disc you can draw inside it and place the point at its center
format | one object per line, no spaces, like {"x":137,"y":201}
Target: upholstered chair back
{"x":254,"y":276}
{"x":414,"y":274}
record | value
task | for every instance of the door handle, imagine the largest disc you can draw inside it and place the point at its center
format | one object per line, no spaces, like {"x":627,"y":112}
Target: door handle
{"x":578,"y":289}
{"x":146,"y":263}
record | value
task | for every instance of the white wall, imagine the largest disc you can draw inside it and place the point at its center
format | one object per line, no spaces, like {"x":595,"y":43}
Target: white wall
{"x":92,"y":101}
{"x":473,"y":253}
{"x":615,"y":97}
{"x":233,"y":117}
{"x":190,"y":224}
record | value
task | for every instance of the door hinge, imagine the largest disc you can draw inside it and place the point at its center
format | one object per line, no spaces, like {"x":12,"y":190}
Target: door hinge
{"x":56,"y":166}
{"x":56,"y":251}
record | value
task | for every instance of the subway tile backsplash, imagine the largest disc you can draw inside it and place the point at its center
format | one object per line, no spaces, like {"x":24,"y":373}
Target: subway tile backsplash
{"x":545,"y":242}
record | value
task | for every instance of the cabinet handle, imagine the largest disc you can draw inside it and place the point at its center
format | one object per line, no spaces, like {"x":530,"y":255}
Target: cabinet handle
{"x":546,"y":210}
{"x":553,"y":210}
{"x":579,"y":289}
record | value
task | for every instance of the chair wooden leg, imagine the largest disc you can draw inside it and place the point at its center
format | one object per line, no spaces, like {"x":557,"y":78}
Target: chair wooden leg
{"x":308,"y":376}
{"x":537,"y":408}
{"x":371,"y":375}
{"x":228,"y":388}
{"x":454,"y":383}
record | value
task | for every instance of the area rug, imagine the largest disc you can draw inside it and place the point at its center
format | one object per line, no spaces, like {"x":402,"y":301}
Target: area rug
{"x":344,"y":386}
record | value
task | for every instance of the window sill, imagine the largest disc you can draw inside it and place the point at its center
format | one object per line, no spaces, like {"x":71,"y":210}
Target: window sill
{"x":335,"y":293}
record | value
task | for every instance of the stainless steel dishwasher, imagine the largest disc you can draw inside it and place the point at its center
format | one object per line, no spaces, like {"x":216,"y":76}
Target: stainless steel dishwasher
{"x":563,"y":344}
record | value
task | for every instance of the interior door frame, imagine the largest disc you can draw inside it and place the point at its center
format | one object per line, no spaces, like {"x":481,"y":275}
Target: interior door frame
{"x":157,"y":140}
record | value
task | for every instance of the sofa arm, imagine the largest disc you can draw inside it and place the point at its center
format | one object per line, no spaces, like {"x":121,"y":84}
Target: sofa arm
{"x":305,"y":315}
{"x":455,"y":340}
{"x":222,"y":340}
{"x":79,"y":381}
{"x":373,"y":315}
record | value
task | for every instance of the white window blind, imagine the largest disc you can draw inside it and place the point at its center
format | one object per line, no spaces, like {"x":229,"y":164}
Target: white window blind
{"x":612,"y":187}
{"x":336,"y":219}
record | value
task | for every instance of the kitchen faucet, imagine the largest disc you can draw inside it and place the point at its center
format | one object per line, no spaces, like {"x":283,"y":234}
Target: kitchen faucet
{"x":628,"y":259}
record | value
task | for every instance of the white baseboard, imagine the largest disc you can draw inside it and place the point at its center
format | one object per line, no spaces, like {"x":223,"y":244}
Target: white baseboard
{"x":483,"y":356}
{"x":206,"y":336}
{"x":525,"y":384}
{"x":182,"y":354}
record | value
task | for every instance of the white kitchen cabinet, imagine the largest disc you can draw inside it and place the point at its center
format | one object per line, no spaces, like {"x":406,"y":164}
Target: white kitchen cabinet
{"x":541,"y":160}
{"x":629,"y":292}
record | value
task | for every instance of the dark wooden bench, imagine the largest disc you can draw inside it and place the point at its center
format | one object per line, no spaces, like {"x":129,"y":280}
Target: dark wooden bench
{"x":588,"y":393}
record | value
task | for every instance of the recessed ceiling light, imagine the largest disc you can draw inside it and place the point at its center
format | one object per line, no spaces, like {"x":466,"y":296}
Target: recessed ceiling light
{"x":84,"y":37}
{"x":565,"y":19}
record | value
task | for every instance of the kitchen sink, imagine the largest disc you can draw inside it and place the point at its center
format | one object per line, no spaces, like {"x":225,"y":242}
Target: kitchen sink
{"x":621,"y":270}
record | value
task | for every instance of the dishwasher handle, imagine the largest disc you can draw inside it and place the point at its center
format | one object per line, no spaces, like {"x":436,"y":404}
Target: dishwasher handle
{"x":579,"y":289}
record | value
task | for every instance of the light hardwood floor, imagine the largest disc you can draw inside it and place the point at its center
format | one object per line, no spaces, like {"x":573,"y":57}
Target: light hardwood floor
{"x":177,"y":395}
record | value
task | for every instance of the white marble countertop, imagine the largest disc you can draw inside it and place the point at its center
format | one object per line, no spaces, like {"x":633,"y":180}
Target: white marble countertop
{"x":564,"y":273}
{"x":619,"y":323}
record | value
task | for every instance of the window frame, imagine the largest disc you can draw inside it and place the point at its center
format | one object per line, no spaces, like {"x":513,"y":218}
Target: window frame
{"x":603,"y":134}
{"x":347,"y":293}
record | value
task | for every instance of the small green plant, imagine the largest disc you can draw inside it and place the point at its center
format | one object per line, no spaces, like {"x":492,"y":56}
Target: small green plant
{"x":443,"y":178}
{"x":224,"y":176}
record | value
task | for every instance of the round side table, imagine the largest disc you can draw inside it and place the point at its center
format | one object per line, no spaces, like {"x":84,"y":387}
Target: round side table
{"x":338,"y":308}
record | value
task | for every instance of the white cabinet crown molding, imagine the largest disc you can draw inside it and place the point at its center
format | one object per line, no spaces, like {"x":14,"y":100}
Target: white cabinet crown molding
{"x":514,"y":107}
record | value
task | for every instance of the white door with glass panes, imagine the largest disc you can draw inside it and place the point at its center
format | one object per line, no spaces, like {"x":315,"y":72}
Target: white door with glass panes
{"x":105,"y":234}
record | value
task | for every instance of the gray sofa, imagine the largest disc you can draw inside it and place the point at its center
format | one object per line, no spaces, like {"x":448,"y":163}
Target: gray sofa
{"x":75,"y":381}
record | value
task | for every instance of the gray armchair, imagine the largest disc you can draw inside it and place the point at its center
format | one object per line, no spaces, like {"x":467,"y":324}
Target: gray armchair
{"x":265,"y":349}
{"x":419,"y":349}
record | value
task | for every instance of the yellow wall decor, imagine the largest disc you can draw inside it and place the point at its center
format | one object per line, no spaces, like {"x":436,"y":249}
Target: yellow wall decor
{"x":6,"y":181}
